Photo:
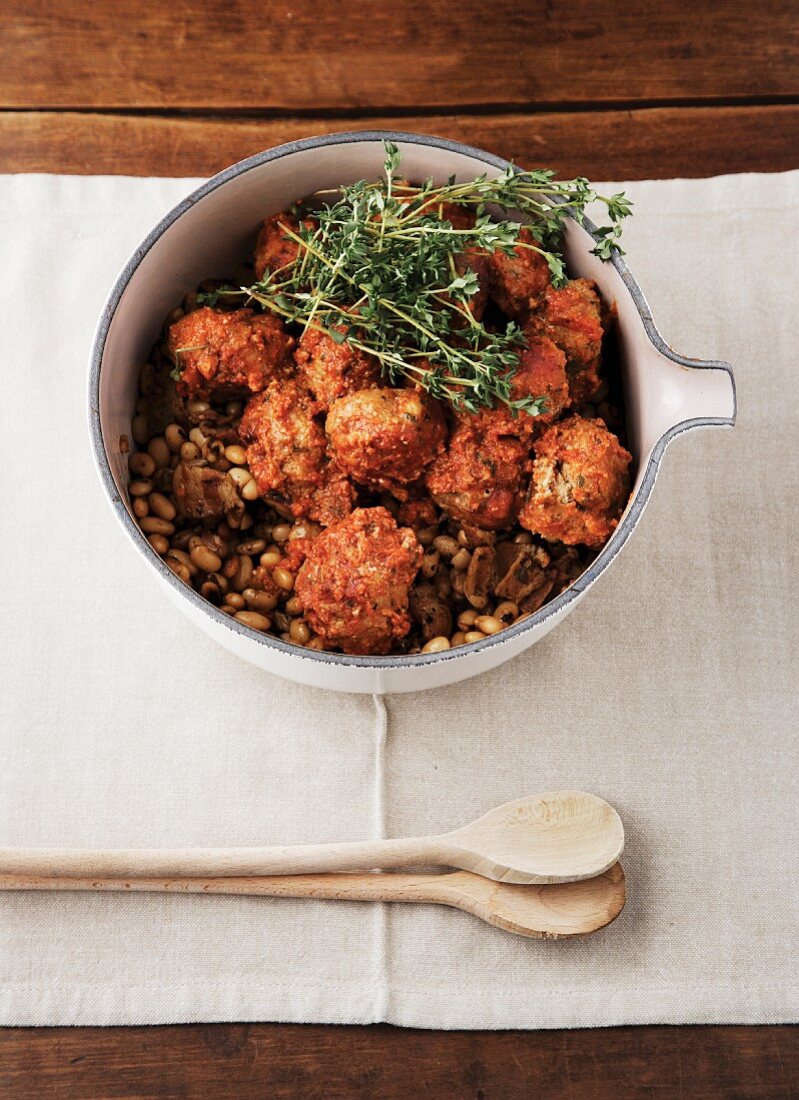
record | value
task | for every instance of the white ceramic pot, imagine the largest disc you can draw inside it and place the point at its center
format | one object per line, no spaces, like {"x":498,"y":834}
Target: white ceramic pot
{"x":212,"y":230}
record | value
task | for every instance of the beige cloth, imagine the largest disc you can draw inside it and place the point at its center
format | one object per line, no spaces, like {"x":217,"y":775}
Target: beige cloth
{"x":671,"y":691}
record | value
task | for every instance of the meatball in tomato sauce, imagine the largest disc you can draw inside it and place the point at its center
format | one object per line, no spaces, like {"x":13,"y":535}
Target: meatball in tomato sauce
{"x":572,"y":318}
{"x":332,"y":370}
{"x":287,"y":454}
{"x":275,"y":248}
{"x":479,"y":478}
{"x":517,"y":280}
{"x":385,"y":438}
{"x":353,"y":586}
{"x":580,"y":483}
{"x":227,"y":355}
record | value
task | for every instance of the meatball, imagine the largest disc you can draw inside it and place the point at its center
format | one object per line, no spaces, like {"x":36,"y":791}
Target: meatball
{"x":542,"y":373}
{"x":517,"y":281}
{"x":478,"y":480}
{"x":332,"y":370}
{"x":386,"y":438}
{"x":580,"y":483}
{"x":473,"y":259}
{"x":572,"y":318}
{"x":228,"y":355}
{"x":274,"y":249}
{"x":353,"y":585}
{"x":287,"y":455}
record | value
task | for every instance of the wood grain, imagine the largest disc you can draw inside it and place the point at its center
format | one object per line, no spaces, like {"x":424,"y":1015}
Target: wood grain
{"x":639,"y":144}
{"x":557,"y":836}
{"x":340,"y":1063}
{"x":549,"y":912}
{"x":306,"y":55}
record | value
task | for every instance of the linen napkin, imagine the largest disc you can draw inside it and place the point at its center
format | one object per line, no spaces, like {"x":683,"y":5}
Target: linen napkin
{"x":670,"y":691}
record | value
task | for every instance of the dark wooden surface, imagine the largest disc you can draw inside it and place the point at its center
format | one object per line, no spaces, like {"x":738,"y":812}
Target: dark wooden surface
{"x":337,"y":1063}
{"x":612,"y":91}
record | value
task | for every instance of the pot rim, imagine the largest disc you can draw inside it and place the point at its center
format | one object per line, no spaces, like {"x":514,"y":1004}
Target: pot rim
{"x":410,"y":661}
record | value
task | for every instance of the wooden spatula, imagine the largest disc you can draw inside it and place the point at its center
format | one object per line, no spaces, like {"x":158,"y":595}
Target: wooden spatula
{"x":563,"y":836}
{"x":563,"y":909}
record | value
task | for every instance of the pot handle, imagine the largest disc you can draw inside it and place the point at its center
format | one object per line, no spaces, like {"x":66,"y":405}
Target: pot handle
{"x":678,"y":394}
{"x":707,"y":392}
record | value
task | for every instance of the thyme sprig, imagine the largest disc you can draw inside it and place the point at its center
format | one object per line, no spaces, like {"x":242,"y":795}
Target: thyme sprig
{"x":381,"y":265}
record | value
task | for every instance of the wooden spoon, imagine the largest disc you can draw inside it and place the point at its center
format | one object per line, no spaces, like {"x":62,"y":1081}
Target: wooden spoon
{"x":563,"y":909}
{"x":563,"y":836}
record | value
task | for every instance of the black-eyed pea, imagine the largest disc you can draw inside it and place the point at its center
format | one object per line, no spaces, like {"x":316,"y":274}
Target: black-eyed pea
{"x":154,"y":525}
{"x":436,"y":645}
{"x":184,"y":558}
{"x":466,"y":619}
{"x":175,"y":437}
{"x":473,"y":636}
{"x":506,"y":611}
{"x":283,"y":578}
{"x":446,"y":546}
{"x":460,"y":561}
{"x":159,"y":544}
{"x":430,"y":563}
{"x":299,"y":632}
{"x":179,"y":569}
{"x":158,"y":450}
{"x":230,"y":566}
{"x":205,"y":559}
{"x":236,"y":455}
{"x":489,"y":624}
{"x":140,"y":507}
{"x":253,"y":619}
{"x":141,"y":464}
{"x":252,"y":547}
{"x":258,"y":600}
{"x":162,"y":506}
{"x":241,"y":578}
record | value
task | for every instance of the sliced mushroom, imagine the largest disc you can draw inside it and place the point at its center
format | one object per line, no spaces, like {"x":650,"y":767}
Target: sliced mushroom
{"x":430,"y":612}
{"x":479,"y":576}
{"x":518,"y":571}
{"x":203,"y":493}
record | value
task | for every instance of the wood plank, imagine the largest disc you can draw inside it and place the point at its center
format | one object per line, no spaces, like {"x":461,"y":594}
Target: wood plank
{"x":695,"y":1063}
{"x":654,"y":143}
{"x":346,"y":55}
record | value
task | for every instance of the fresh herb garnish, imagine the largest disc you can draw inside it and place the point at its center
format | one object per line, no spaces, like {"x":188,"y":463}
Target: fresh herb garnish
{"x":378,"y":267}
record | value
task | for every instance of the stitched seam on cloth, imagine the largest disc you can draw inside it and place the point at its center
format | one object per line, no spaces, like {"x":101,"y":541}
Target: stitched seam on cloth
{"x":416,"y":990}
{"x":381,"y":916}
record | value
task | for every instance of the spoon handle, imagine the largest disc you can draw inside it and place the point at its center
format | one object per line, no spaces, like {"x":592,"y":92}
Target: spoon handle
{"x":335,"y":887}
{"x":220,"y":862}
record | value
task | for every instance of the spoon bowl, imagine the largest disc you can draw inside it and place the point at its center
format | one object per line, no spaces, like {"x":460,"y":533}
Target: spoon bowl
{"x":555,"y":837}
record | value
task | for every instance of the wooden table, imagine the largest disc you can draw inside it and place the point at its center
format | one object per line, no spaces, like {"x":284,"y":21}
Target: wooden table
{"x":612,"y":91}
